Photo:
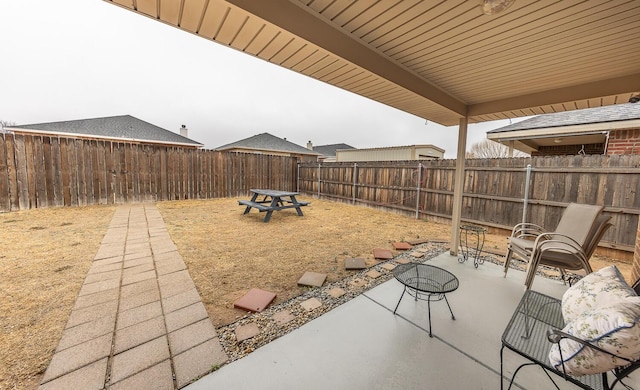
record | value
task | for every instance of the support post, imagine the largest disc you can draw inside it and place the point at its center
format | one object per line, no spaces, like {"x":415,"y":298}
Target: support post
{"x":635,"y":270}
{"x":418,"y":191}
{"x":459,"y":186}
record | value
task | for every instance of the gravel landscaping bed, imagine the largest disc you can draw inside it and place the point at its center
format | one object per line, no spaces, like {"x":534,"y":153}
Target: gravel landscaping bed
{"x":290,"y":315}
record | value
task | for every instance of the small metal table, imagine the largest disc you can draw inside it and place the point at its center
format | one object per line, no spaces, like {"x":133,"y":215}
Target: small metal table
{"x":426,"y":282}
{"x":477,"y":240}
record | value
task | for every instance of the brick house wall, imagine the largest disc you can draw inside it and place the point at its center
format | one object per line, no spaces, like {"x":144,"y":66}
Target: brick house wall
{"x":625,"y":141}
{"x":565,"y":150}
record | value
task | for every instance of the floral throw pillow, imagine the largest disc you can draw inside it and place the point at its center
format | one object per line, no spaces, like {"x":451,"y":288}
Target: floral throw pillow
{"x":601,"y":309}
{"x":614,"y":328}
{"x":597,"y":289}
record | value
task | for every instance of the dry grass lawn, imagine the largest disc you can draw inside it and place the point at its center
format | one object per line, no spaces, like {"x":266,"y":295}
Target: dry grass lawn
{"x":45,"y":254}
{"x":44,"y":257}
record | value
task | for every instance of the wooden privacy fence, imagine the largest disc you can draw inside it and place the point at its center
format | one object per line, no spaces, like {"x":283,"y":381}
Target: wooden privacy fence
{"x":37,"y":171}
{"x":494,"y":189}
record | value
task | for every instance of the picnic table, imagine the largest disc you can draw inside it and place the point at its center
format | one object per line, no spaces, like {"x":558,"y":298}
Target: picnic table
{"x":272,"y":200}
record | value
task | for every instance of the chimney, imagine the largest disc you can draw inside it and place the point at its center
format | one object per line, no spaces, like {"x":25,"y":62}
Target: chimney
{"x":184,"y":131}
{"x":309,"y":145}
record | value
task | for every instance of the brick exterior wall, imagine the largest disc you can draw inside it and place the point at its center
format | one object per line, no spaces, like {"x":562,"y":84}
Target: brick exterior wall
{"x":624,"y":142}
{"x":565,"y":150}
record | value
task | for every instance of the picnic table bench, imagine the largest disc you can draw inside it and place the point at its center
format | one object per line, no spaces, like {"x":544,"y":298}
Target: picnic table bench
{"x":272,"y":200}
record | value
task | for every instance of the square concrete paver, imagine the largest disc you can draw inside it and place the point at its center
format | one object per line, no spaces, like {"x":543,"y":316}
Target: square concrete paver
{"x":355,"y":263}
{"x":180,"y":300}
{"x":282,"y":317}
{"x":156,"y":377}
{"x":138,"y":334}
{"x":198,"y":361}
{"x":357,"y":282}
{"x":87,"y":331}
{"x":191,"y":335}
{"x":382,"y":254}
{"x":88,"y":377}
{"x":185,"y":316}
{"x":313,"y":279}
{"x":311,"y":303}
{"x":388,"y":266}
{"x":373,"y":274}
{"x":402,"y":246}
{"x":245,"y":332}
{"x":137,"y":359}
{"x":403,"y":261}
{"x":417,"y":254}
{"x":78,"y":356}
{"x":255,"y":300}
{"x":336,"y":292}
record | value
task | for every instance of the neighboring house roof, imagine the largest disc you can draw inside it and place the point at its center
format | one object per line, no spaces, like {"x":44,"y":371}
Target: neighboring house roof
{"x":330,"y":150}
{"x":267,"y":142}
{"x":123,"y":127}
{"x":614,"y":113}
{"x":586,"y":126}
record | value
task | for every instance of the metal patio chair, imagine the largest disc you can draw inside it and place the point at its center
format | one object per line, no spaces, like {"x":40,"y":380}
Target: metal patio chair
{"x":568,"y":247}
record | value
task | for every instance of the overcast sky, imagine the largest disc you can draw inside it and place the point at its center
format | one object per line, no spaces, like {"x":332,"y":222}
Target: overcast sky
{"x":76,"y":59}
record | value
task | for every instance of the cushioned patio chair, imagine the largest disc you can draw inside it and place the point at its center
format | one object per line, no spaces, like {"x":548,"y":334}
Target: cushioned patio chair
{"x":567,"y":245}
{"x":564,"y":253}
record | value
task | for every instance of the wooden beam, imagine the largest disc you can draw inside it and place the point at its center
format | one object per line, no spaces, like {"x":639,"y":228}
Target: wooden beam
{"x":294,"y":18}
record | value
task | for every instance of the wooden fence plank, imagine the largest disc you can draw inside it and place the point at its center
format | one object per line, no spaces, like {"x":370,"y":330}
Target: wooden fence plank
{"x":5,"y":194}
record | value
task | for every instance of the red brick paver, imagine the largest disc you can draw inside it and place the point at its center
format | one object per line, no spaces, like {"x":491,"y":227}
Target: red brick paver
{"x":138,"y":321}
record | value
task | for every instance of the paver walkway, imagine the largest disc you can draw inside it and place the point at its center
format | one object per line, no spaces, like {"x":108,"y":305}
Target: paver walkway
{"x":138,"y":321}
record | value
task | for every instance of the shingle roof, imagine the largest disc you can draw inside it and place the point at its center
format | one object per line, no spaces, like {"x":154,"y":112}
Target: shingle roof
{"x":123,"y":127}
{"x":266,"y":141}
{"x":613,"y":113}
{"x":330,"y":150}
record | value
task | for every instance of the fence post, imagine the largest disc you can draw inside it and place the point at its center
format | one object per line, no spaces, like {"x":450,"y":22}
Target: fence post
{"x":526,"y":193}
{"x":418,"y":196}
{"x":298,"y":178}
{"x":355,"y":179}
{"x":319,"y":181}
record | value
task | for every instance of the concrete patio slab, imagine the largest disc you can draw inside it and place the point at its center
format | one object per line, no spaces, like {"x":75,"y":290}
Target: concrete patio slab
{"x":395,"y":351}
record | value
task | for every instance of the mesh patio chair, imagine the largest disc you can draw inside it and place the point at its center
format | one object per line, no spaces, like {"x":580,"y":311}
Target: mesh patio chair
{"x":566,"y":246}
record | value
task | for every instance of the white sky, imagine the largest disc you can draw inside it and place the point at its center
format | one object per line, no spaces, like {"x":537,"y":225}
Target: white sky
{"x":76,"y":59}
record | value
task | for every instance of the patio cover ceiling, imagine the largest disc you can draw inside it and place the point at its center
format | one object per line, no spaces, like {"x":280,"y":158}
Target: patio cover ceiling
{"x":438,"y":60}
